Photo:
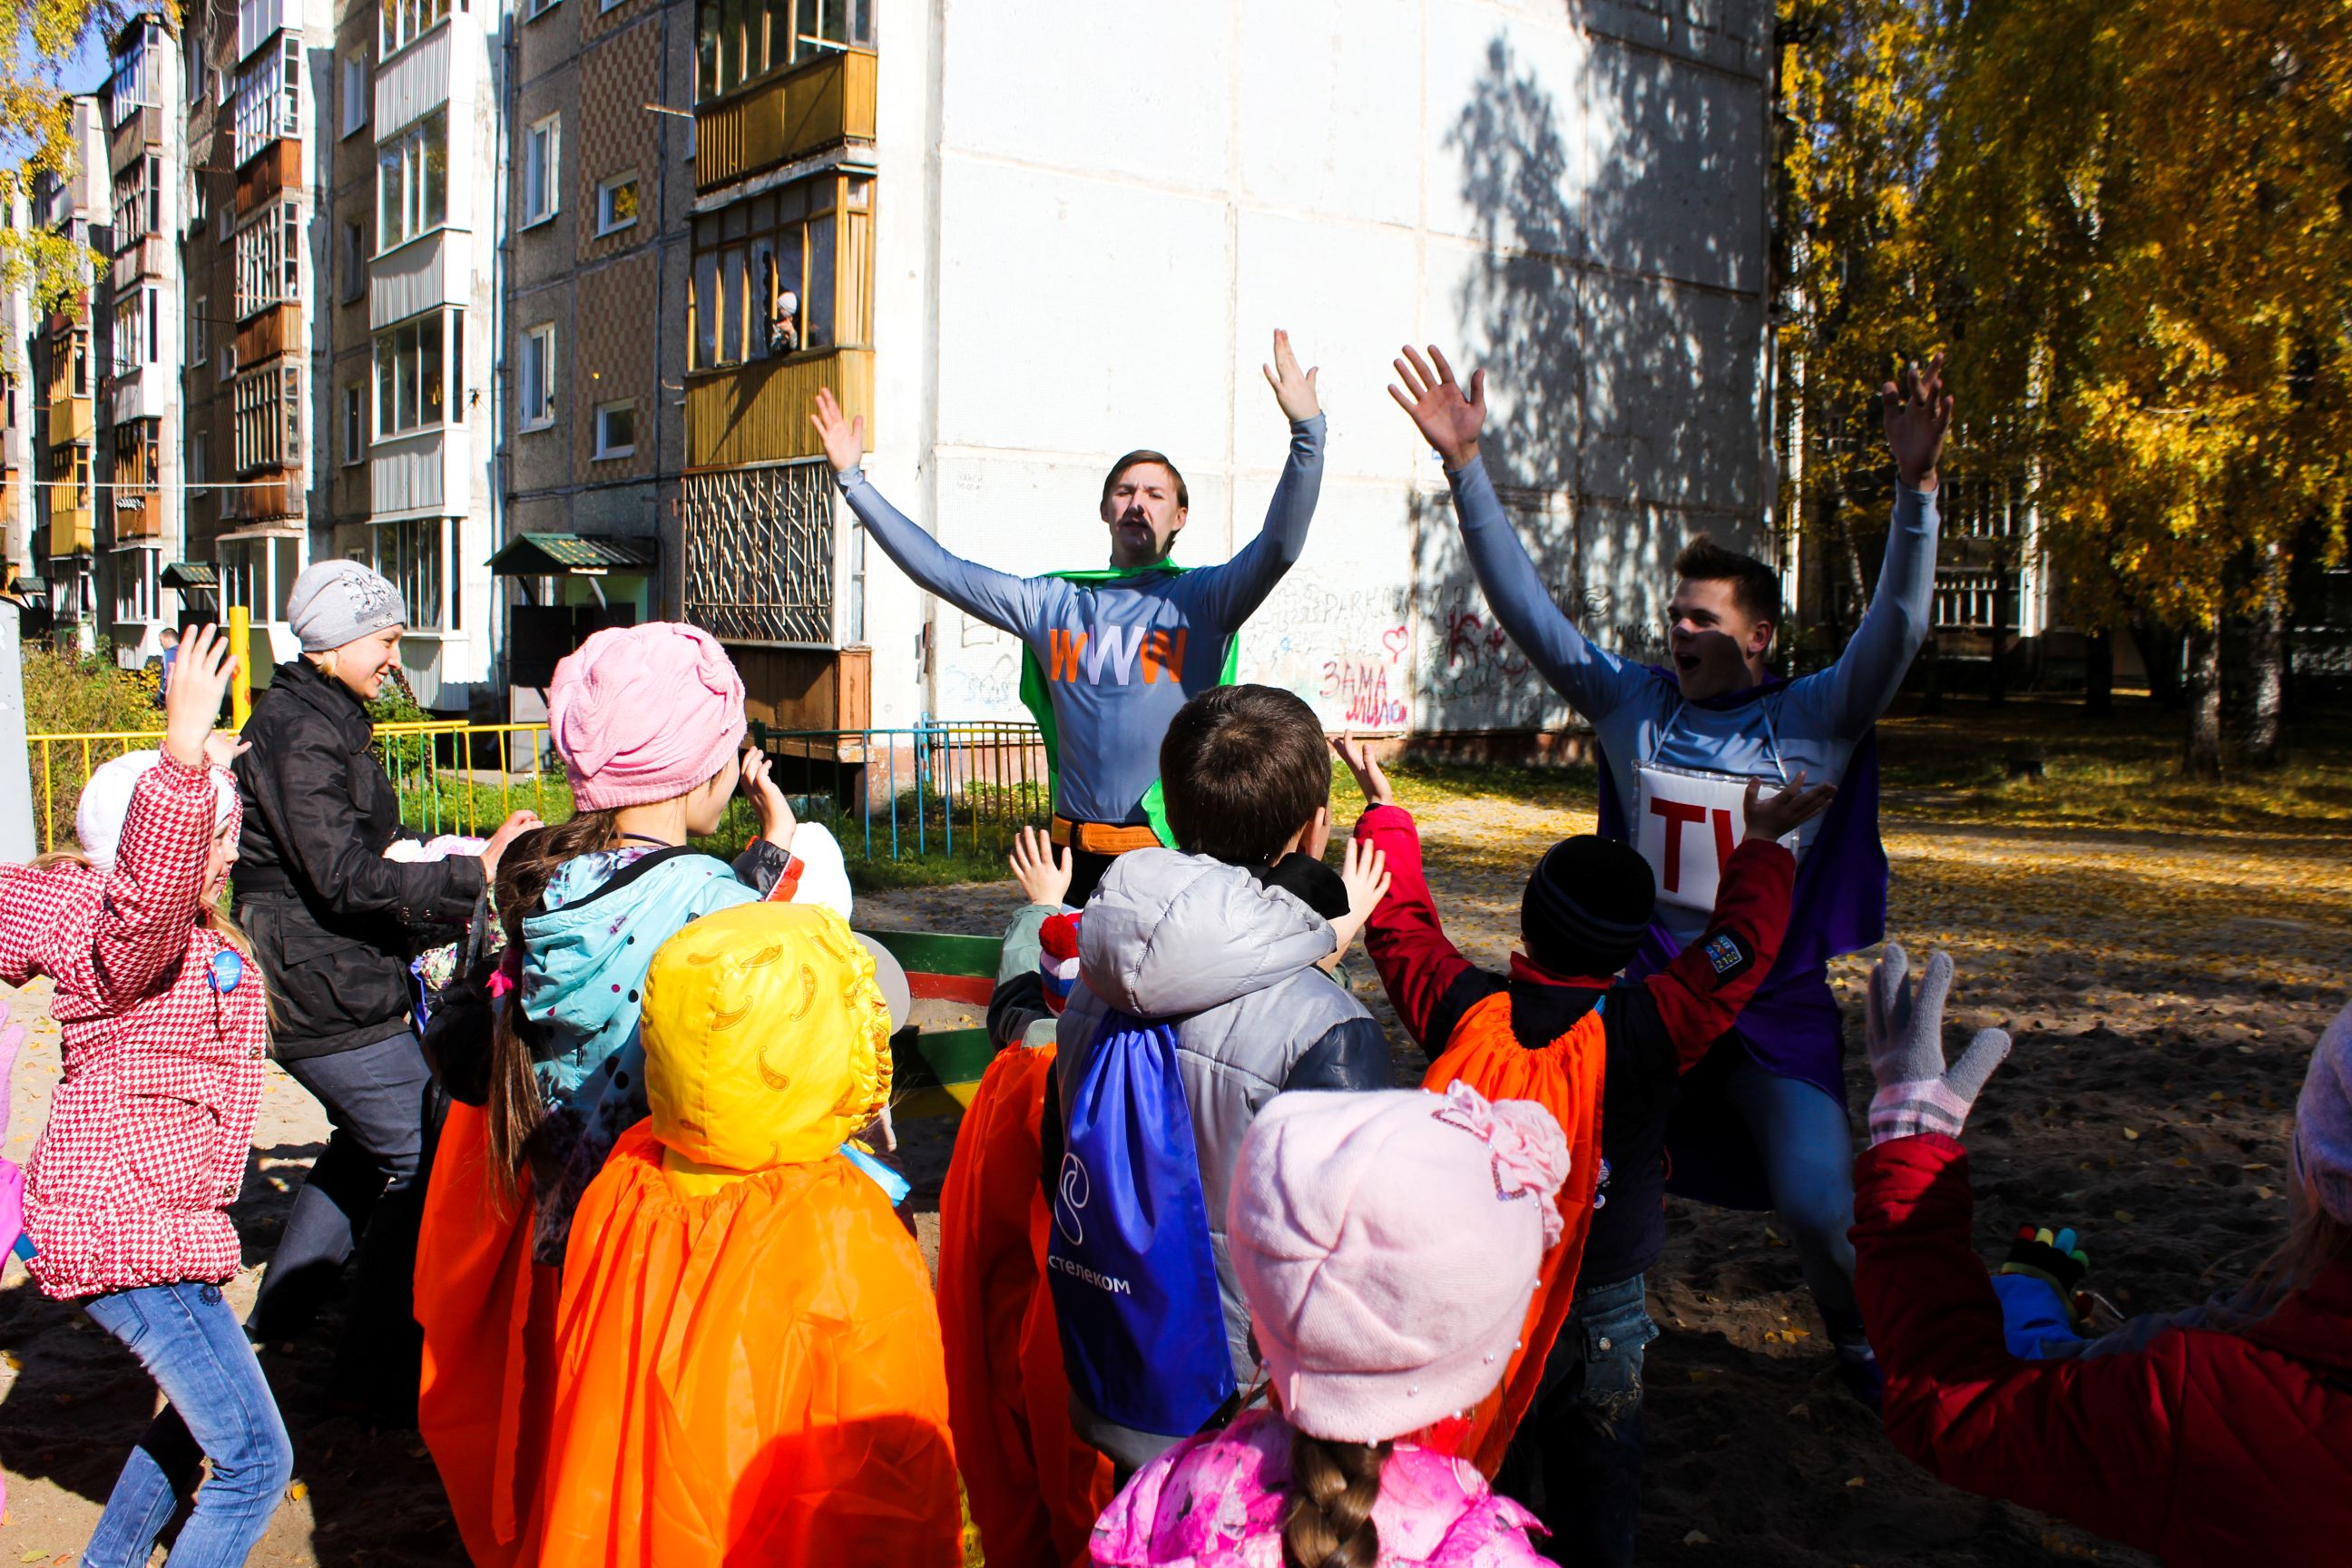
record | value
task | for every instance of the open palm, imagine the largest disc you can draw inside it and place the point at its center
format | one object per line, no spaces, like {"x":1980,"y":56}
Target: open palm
{"x":1447,"y":417}
{"x":1919,"y":414}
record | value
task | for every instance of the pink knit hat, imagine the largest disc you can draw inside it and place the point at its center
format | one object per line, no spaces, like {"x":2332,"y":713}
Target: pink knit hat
{"x":1387,"y":1244}
{"x":645,"y":713}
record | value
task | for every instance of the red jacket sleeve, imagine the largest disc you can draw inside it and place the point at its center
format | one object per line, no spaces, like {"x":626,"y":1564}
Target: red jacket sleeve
{"x":1703,"y":990}
{"x":1410,"y":949}
{"x":2092,"y":1441}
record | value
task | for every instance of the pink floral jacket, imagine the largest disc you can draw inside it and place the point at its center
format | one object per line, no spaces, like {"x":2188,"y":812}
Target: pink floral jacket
{"x":1216,"y":1502}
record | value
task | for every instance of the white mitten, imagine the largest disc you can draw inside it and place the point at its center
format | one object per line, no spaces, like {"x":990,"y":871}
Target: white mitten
{"x":1904,"y":1034}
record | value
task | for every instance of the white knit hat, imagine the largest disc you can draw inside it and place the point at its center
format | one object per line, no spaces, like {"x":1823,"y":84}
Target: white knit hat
{"x":106,"y":802}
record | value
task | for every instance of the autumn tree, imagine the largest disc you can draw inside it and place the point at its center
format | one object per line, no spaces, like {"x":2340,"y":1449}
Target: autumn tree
{"x":37,"y":38}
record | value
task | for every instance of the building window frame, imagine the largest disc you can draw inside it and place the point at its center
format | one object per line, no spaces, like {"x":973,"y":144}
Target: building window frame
{"x":768,"y":278}
{"x":400,"y":23}
{"x":355,"y":436}
{"x":413,"y":554}
{"x":356,"y":92}
{"x":535,"y":380}
{"x":265,"y":429}
{"x":619,"y":202}
{"x":419,"y":363}
{"x":268,"y":99}
{"x":413,"y":182}
{"x":617,"y":418}
{"x":269,"y":259}
{"x":542,"y":162}
{"x":738,"y":43}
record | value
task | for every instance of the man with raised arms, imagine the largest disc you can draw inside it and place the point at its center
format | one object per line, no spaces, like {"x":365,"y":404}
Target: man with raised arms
{"x":1111,"y":655}
{"x":1763,"y":1119}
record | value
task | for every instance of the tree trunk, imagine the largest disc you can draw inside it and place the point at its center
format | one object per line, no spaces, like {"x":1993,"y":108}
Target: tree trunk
{"x":2266,"y":726}
{"x":2099,"y":676}
{"x":2203,"y":758}
{"x":2160,"y":655}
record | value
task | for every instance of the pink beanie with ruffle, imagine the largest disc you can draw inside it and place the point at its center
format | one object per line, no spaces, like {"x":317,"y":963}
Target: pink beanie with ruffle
{"x":1388,"y":1246}
{"x":645,"y":713}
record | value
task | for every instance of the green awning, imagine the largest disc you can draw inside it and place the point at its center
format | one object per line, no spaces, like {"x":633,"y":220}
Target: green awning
{"x":191,"y":575}
{"x":554,"y":554}
{"x":27,"y":586}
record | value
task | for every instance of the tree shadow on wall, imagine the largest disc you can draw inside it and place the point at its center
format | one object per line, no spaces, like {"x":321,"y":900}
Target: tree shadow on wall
{"x":1619,"y":338}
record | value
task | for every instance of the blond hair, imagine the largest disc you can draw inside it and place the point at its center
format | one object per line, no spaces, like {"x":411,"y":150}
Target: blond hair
{"x":211,"y":916}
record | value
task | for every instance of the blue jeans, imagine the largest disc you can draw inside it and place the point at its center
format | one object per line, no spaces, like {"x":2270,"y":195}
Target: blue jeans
{"x":218,"y":1406}
{"x":1576,"y":1460}
{"x":1807,"y":1146}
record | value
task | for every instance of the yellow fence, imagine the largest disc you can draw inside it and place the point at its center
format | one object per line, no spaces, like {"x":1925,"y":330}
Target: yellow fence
{"x":452,"y":777}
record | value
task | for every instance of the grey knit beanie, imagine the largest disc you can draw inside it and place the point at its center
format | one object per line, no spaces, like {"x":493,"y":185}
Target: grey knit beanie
{"x":2323,"y":1120}
{"x":336,"y":602}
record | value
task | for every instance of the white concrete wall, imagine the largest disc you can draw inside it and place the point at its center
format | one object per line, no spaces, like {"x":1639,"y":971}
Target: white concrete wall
{"x":1093,"y":217}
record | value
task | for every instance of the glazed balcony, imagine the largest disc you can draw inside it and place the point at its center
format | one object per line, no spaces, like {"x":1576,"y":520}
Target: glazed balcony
{"x":137,"y":515}
{"x":148,"y":257}
{"x":757,"y":413}
{"x":142,"y":128}
{"x":275,"y":494}
{"x":69,"y":531}
{"x":72,"y":420}
{"x":816,"y":104}
{"x":275,"y":170}
{"x":276,"y":330}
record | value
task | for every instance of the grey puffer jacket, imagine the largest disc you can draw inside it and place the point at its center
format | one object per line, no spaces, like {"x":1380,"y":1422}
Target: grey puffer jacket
{"x":1193,"y":942}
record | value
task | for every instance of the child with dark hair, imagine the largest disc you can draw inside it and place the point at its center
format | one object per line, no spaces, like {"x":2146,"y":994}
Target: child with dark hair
{"x":1387,"y":1286}
{"x":1603,"y":1055}
{"x":1200,"y":998}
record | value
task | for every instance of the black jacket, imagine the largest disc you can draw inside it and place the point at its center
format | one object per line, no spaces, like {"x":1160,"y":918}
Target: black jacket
{"x":333,"y":922}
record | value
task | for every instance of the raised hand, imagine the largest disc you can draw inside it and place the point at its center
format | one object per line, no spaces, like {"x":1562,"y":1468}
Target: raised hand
{"x":513,"y":827}
{"x":843,"y":439}
{"x":1905,"y":1033}
{"x":1360,"y":762}
{"x":768,"y":802}
{"x":1448,"y":418}
{"x":200,"y":678}
{"x":1791,"y":809}
{"x":1044,"y":873}
{"x":1918,"y":413}
{"x":1365,"y":873}
{"x":1294,"y":392}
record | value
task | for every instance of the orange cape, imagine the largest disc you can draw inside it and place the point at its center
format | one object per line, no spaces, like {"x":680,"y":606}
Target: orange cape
{"x":1565,"y":1078}
{"x":489,"y":1316}
{"x":751,"y":1376}
{"x":1035,"y":1487}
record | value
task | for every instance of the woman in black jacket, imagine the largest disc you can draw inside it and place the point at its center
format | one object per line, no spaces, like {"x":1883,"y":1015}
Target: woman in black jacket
{"x":334,"y":924}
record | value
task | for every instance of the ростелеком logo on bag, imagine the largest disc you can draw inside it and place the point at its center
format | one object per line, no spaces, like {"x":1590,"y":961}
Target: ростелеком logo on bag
{"x":1070,"y":1196}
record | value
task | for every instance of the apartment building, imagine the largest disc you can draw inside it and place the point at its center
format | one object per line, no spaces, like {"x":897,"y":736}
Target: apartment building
{"x":600,"y":198}
{"x":139,"y":520}
{"x":67,"y":348}
{"x":19,"y":397}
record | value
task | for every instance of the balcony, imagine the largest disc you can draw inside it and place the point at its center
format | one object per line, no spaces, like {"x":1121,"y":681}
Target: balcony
{"x":257,"y":22}
{"x":816,"y":104}
{"x":148,"y":257}
{"x":423,"y":77}
{"x":276,"y":169}
{"x":72,"y":420}
{"x":141,"y":129}
{"x":137,"y":515}
{"x":140,"y":391}
{"x":69,"y":531}
{"x":275,"y":494}
{"x":757,"y":413}
{"x":276,"y":330}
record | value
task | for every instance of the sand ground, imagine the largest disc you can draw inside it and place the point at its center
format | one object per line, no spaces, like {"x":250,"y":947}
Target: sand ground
{"x":2164,"y":990}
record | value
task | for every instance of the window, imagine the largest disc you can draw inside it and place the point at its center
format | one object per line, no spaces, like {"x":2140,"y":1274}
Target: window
{"x":199,"y":450}
{"x":225,"y":213}
{"x":538,"y":380}
{"x":134,"y":586}
{"x":616,"y":204}
{"x":737,"y":41}
{"x":267,"y":432}
{"x":81,"y":351}
{"x":197,"y":329}
{"x":228,"y":361}
{"x":356,"y":92}
{"x":764,"y":271}
{"x":410,"y":554}
{"x":138,"y":445}
{"x":355,"y":424}
{"x":604,"y":6}
{"x":408,"y":373}
{"x":258,"y":574}
{"x":538,"y":8}
{"x":270,"y":97}
{"x":540,"y":153}
{"x":402,"y":22}
{"x":138,"y":202}
{"x":134,"y":84}
{"x":354,"y":262}
{"x":137,"y":326}
{"x":411,"y":181}
{"x":269,"y":260}
{"x":616,"y":429}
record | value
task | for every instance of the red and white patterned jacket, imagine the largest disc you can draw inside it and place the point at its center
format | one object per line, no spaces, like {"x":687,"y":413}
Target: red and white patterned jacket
{"x":148,"y":1131}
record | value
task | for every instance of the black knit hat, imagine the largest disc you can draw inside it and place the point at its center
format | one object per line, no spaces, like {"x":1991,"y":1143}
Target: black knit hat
{"x":1587,"y":905}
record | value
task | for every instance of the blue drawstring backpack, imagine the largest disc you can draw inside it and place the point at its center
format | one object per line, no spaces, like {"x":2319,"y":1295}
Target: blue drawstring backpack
{"x":1128,"y":1259}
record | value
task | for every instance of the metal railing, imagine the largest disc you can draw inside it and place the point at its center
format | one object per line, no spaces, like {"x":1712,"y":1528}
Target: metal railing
{"x":928,"y":792}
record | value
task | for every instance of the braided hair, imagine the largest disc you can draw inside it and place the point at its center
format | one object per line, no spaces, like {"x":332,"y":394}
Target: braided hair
{"x":1326,"y":1519}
